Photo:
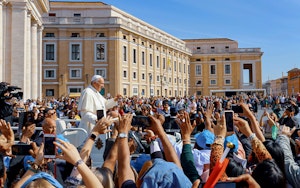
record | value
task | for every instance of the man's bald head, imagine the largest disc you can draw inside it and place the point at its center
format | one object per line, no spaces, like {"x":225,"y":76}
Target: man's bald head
{"x":49,"y":126}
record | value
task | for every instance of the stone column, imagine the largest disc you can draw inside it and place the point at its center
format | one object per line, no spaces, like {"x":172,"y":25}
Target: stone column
{"x":39,"y":60}
{"x":1,"y":42}
{"x":28,"y":51}
{"x":34,"y":61}
{"x":254,"y":81}
{"x":17,"y":52}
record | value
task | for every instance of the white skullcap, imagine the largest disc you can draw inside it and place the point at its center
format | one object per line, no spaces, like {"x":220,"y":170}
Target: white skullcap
{"x":96,"y":77}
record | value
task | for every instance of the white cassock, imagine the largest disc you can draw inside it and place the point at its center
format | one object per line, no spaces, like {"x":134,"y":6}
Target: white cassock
{"x":90,"y":101}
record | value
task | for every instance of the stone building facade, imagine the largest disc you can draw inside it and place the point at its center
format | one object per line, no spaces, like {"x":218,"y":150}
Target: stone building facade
{"x":134,"y":57}
{"x":21,"y":30}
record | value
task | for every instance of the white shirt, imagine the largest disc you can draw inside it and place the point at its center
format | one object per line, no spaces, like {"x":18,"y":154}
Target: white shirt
{"x":90,"y":101}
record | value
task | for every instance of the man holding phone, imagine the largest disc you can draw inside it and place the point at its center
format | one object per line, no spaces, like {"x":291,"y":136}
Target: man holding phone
{"x":48,"y":136}
{"x":91,"y":100}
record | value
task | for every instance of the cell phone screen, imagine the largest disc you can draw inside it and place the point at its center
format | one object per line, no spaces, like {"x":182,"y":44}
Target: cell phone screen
{"x":21,"y":149}
{"x":49,"y":147}
{"x":100,"y":114}
{"x":229,"y":120}
{"x":140,"y":121}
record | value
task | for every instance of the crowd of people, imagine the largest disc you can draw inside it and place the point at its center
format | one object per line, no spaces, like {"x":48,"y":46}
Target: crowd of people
{"x":177,"y":142}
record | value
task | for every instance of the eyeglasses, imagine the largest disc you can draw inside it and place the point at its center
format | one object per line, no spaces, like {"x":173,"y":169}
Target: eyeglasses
{"x":52,"y":113}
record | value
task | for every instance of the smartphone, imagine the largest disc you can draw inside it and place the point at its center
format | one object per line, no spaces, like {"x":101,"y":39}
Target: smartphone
{"x":229,"y":120}
{"x":100,"y":114}
{"x":21,"y":149}
{"x":237,"y":108}
{"x":193,"y":117}
{"x":140,"y":121}
{"x":49,"y":147}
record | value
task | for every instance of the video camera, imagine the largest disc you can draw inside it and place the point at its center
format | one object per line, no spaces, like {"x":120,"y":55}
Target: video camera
{"x":6,"y":87}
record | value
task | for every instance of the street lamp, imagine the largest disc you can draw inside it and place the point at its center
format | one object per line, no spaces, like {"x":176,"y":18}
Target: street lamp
{"x":150,"y":78}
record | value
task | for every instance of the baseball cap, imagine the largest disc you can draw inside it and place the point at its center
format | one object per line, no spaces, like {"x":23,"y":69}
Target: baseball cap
{"x":205,"y":139}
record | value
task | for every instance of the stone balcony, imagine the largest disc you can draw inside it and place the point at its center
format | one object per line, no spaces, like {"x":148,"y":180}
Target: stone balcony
{"x":80,"y":20}
{"x":222,"y":51}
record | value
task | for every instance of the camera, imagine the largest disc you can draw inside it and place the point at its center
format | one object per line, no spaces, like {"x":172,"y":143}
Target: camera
{"x":6,"y":87}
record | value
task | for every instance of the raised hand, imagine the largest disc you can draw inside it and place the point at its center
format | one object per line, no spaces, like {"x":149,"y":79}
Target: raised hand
{"x":220,"y":128}
{"x":242,"y":125}
{"x":209,"y":110}
{"x":69,"y":151}
{"x":185,"y":125}
{"x":102,"y":124}
{"x":6,"y":130}
{"x":156,"y":124}
{"x":39,"y":159}
{"x":125,"y":123}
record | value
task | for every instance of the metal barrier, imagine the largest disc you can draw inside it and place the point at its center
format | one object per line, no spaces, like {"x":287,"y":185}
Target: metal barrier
{"x":17,"y":128}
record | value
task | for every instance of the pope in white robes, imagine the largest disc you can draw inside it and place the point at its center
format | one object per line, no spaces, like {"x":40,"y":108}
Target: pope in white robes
{"x":91,"y":100}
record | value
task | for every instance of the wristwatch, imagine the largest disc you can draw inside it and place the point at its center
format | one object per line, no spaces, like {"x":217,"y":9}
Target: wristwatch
{"x":122,"y":135}
{"x":93,"y":137}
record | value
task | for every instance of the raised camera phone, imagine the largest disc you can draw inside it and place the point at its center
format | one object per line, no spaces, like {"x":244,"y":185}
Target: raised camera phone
{"x":237,"y":109}
{"x":229,"y":120}
{"x":21,"y":149}
{"x":193,"y":117}
{"x":49,"y":147}
{"x":140,"y":121}
{"x":100,"y":114}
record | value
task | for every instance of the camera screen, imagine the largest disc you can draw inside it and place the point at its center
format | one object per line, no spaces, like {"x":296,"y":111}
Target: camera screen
{"x":49,"y":147}
{"x":140,"y":121}
{"x":21,"y":149}
{"x":229,"y":121}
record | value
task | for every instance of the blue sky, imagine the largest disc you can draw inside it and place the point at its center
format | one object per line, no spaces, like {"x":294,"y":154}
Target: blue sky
{"x":272,"y":25}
